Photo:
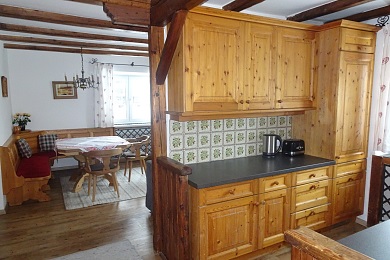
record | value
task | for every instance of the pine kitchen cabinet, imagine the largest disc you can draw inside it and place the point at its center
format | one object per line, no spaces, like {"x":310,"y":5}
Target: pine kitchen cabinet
{"x":241,"y":65}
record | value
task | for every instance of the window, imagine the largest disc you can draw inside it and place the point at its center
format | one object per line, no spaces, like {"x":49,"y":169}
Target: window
{"x":131,"y":98}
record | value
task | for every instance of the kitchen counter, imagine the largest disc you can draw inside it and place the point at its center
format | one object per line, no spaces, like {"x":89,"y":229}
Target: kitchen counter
{"x":373,"y":241}
{"x":209,"y":174}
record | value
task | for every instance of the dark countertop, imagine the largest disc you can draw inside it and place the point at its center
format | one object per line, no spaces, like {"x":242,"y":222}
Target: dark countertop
{"x":373,"y":242}
{"x":209,"y":174}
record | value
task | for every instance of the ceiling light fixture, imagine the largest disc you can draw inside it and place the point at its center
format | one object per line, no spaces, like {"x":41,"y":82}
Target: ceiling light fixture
{"x":82,"y":82}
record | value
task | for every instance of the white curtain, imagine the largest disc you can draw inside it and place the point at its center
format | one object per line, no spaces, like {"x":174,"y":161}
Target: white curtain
{"x":382,"y":124}
{"x":104,"y":116}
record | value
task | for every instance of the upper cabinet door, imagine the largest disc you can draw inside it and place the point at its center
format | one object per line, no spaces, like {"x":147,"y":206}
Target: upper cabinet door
{"x":353,"y":106}
{"x":214,"y":63}
{"x":295,"y":69}
{"x":260,"y":66}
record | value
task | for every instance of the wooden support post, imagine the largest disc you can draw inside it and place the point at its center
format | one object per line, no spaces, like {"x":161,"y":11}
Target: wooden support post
{"x":159,"y":134}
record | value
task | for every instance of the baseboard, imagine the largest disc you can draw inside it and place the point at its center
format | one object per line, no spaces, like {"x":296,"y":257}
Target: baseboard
{"x":4,"y":211}
{"x":361,"y":222}
{"x":72,"y":167}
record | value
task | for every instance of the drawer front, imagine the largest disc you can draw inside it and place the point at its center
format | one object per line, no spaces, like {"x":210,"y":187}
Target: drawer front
{"x":227,"y":192}
{"x":308,"y":176}
{"x":358,"y":41}
{"x":344,"y":169}
{"x":275,"y":183}
{"x":310,"y":195}
{"x":313,"y":218}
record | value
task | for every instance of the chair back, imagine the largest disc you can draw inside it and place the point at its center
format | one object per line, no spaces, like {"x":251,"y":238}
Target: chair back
{"x":102,"y":161}
{"x":137,"y":144}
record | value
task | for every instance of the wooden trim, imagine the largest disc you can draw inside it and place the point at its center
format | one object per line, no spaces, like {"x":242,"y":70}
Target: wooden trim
{"x":48,"y":17}
{"x":308,"y":244}
{"x":174,"y":166}
{"x":63,"y":33}
{"x":121,"y":14}
{"x":158,"y":129}
{"x":239,"y":5}
{"x":173,"y":37}
{"x":71,"y":43}
{"x":72,"y":50}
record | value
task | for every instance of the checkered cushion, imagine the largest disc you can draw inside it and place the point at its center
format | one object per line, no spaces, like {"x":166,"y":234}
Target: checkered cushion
{"x":24,"y":148}
{"x":47,"y":142}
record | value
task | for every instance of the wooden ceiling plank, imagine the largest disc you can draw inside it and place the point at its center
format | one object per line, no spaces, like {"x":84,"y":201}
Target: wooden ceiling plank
{"x":239,"y":5}
{"x":162,"y":11}
{"x":168,"y":51}
{"x":129,"y":15}
{"x":73,"y":50}
{"x":70,"y":43}
{"x":372,"y":14}
{"x":325,"y":9}
{"x":63,"y":33}
{"x":48,"y":17}
{"x":135,"y":3}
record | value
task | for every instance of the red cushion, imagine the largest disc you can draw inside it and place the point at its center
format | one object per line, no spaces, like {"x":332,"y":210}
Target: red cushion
{"x":36,"y":166}
{"x":49,"y":154}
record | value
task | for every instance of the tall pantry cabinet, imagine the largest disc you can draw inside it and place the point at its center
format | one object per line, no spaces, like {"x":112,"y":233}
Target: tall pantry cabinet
{"x":338,"y":128}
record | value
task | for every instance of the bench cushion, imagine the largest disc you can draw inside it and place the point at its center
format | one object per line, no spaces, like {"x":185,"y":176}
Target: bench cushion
{"x":24,"y":148}
{"x":34,"y":167}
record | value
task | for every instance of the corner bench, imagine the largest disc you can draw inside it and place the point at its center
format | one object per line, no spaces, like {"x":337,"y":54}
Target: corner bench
{"x":27,"y":178}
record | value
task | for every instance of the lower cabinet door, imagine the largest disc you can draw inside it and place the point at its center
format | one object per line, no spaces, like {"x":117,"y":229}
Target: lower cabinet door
{"x":348,"y":197}
{"x":274,"y":217}
{"x":228,"y":229}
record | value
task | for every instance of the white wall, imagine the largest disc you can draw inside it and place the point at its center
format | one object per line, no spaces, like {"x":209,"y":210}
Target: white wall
{"x":5,"y":116}
{"x":30,"y":75}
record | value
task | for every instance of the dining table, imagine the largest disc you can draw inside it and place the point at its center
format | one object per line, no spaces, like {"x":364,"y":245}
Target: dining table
{"x":76,"y":146}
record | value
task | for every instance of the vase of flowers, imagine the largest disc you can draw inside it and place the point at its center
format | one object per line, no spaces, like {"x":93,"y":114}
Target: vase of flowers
{"x":21,"y":119}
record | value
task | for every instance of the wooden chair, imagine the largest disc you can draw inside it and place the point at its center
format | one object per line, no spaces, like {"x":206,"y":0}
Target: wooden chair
{"x":102,"y":163}
{"x":136,"y":153}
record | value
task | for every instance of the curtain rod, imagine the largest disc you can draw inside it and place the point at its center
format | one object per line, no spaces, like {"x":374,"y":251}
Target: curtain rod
{"x":95,"y":61}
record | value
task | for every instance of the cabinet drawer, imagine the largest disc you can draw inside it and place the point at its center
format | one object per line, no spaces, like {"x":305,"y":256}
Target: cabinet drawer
{"x":227,"y":192}
{"x":310,"y":195}
{"x":349,"y":168}
{"x":308,"y":176}
{"x":357,"y":40}
{"x":275,"y":183}
{"x":313,"y":218}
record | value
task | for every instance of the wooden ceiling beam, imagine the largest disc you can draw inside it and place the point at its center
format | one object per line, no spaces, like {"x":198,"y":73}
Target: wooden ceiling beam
{"x":162,"y":11}
{"x":63,"y":33}
{"x":239,"y":5}
{"x":73,"y":50}
{"x":372,"y":14}
{"x":135,"y":3}
{"x":48,"y":17}
{"x":128,"y":15}
{"x":168,"y":51}
{"x":70,"y":43}
{"x":325,"y":9}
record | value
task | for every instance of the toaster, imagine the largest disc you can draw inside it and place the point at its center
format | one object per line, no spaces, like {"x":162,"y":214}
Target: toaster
{"x":293,"y":147}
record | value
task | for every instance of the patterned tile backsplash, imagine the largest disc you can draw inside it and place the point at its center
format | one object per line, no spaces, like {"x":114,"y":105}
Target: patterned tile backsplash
{"x":212,"y":140}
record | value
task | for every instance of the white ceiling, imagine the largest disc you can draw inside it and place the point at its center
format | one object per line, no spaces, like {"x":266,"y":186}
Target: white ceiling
{"x":271,"y":8}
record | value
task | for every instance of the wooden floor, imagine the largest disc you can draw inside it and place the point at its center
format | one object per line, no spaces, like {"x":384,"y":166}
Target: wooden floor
{"x":46,"y":230}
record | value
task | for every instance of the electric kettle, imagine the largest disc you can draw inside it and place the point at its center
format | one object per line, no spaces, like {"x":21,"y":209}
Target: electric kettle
{"x":270,"y":144}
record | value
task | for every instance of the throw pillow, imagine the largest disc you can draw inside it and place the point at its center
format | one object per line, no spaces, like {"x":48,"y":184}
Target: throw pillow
{"x":47,"y":142}
{"x":24,"y":148}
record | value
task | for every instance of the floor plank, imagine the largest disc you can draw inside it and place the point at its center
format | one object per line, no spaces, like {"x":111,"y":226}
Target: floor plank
{"x":46,"y":230}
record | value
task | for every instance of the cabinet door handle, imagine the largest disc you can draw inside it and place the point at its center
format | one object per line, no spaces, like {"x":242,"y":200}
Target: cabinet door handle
{"x":241,"y":101}
{"x":313,"y":187}
{"x":312,"y":176}
{"x":256,"y":203}
{"x":247,"y":101}
{"x":232,"y":191}
{"x":275,"y":183}
{"x":280,"y":101}
{"x":311,"y":214}
{"x":350,"y":179}
{"x":263,"y":202}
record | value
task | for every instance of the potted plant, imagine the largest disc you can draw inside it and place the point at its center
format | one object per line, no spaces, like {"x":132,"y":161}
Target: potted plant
{"x":21,"y":119}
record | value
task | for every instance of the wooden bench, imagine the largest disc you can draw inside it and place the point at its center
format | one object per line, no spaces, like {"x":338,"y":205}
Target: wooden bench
{"x":18,"y":188}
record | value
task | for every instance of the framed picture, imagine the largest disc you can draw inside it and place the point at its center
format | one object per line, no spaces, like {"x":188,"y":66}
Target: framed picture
{"x":64,"y":90}
{"x":4,"y":86}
